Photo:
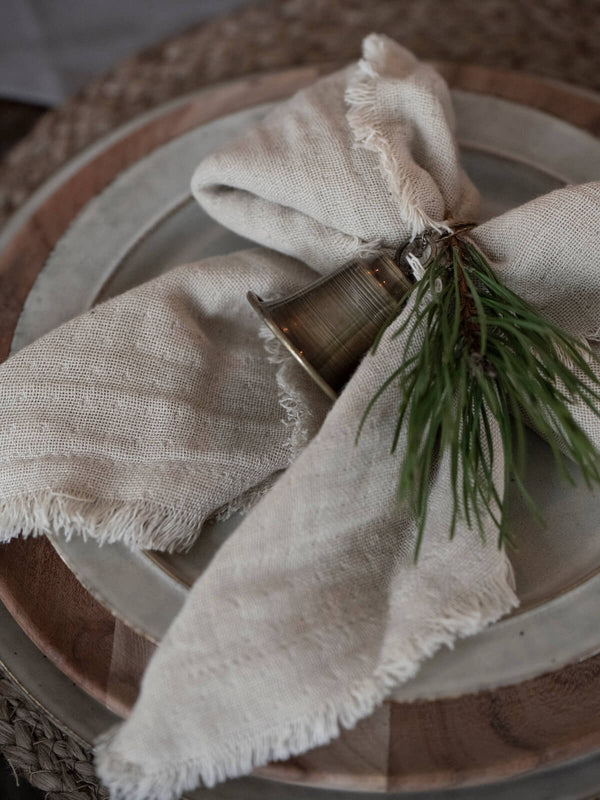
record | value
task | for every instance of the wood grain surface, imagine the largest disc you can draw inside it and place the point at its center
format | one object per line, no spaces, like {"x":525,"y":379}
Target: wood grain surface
{"x":452,"y":742}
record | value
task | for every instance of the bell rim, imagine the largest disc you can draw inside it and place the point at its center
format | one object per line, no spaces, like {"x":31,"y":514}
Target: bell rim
{"x":256,"y":303}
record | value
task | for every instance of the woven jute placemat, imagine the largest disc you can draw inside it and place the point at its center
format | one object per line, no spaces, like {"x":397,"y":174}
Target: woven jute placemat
{"x":37,"y":749}
{"x":556,"y":39}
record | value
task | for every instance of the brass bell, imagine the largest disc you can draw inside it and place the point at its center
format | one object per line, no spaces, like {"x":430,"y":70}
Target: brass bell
{"x":329,"y":325}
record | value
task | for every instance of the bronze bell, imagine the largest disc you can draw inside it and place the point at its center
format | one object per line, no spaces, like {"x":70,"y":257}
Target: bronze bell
{"x":329,"y":325}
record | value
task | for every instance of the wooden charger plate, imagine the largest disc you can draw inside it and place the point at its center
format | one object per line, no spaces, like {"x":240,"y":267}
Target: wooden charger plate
{"x":472,"y":739}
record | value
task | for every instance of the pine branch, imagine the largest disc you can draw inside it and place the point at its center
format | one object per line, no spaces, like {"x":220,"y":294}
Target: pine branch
{"x":485,"y":355}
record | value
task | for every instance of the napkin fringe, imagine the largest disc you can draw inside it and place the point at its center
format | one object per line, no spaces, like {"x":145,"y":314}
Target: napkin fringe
{"x":477,"y":609}
{"x":299,"y":419}
{"x":139,"y":525}
{"x":363,"y":249}
{"x":365,"y":122}
{"x":594,"y":336}
{"x":245,"y":502}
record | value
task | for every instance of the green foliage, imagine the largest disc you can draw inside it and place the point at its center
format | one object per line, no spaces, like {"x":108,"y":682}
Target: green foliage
{"x":475,"y":352}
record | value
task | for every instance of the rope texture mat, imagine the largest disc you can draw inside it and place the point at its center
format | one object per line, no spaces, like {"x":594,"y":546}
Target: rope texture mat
{"x":41,"y":752}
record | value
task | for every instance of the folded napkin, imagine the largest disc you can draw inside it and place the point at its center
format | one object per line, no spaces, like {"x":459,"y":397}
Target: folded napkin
{"x":158,"y":409}
{"x":154,"y":411}
{"x":313,"y":611}
{"x":358,"y":162}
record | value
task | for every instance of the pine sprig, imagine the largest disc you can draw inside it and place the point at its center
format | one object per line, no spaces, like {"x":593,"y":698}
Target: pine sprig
{"x":475,"y":352}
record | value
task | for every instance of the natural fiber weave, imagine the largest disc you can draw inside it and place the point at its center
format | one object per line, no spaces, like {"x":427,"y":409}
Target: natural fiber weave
{"x":46,"y":756}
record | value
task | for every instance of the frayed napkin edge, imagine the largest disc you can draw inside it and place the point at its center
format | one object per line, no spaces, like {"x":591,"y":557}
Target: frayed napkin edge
{"x":495,"y":596}
{"x":139,"y":524}
{"x":293,"y":386}
{"x":361,"y":98}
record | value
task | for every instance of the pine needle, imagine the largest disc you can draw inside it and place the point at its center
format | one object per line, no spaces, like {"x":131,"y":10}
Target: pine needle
{"x":485,"y":354}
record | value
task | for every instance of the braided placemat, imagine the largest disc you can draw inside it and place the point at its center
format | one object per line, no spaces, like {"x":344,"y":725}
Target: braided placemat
{"x":41,"y":752}
{"x":556,"y":39}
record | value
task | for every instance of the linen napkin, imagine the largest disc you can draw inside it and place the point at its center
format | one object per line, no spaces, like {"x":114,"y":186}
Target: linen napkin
{"x":354,"y":164}
{"x":313,"y":611}
{"x":308,"y":616}
{"x":154,"y":411}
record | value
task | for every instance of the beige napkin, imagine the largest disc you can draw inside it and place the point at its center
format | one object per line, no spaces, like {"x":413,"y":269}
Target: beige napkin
{"x":313,"y":611}
{"x":152,"y":412}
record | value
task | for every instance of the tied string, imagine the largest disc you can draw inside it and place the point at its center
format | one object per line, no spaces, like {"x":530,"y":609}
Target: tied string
{"x":421,"y":250}
{"x":474,"y":360}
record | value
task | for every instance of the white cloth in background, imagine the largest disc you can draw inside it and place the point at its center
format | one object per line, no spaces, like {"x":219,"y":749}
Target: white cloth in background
{"x":51,"y":48}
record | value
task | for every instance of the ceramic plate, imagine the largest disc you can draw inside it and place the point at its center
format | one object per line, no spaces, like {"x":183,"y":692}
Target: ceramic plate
{"x":145,"y":222}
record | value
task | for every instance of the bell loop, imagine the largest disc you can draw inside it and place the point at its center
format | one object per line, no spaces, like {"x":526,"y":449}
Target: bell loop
{"x":421,"y":251}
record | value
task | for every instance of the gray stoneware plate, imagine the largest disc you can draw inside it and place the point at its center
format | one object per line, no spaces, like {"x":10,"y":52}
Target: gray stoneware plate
{"x":146,"y":222}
